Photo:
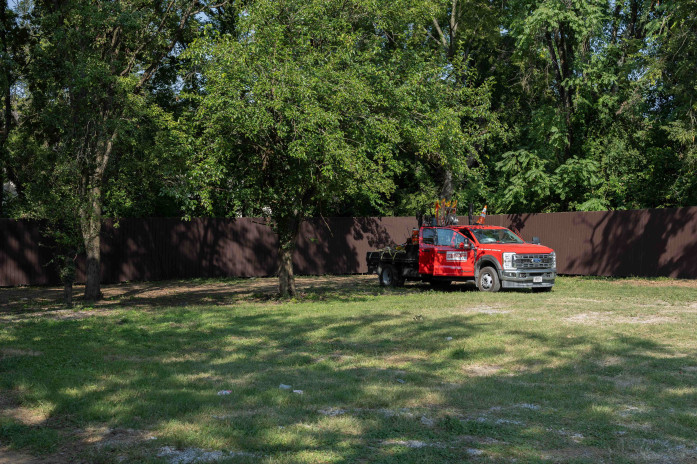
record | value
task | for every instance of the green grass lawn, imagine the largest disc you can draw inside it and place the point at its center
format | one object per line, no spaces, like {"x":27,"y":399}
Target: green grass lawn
{"x":598,"y":370}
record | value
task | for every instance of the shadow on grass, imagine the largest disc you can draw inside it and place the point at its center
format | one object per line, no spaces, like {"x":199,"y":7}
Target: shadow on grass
{"x":197,"y":292}
{"x":580,"y":398}
{"x":27,"y":300}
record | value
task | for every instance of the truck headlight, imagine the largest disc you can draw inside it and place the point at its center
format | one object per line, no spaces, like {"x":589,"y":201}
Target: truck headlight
{"x":554,"y":260}
{"x":508,"y":261}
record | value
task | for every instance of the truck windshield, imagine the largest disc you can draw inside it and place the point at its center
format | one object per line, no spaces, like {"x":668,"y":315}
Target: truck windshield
{"x":496,"y":236}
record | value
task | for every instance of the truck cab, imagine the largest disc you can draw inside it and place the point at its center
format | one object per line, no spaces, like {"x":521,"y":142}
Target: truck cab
{"x":491,"y":256}
{"x":503,"y":258}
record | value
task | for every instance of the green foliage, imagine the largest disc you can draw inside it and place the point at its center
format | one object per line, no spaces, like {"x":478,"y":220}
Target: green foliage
{"x":367,"y":107}
{"x":288,"y":122}
{"x":524,"y":182}
{"x":577,"y":182}
{"x":309,"y":107}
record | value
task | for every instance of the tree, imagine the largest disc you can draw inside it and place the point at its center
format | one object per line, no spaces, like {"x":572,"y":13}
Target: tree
{"x":314,"y":104}
{"x":91,"y":62}
{"x":672,"y":30}
{"x":12,"y":40}
{"x":288,"y":122}
{"x":461,"y":32}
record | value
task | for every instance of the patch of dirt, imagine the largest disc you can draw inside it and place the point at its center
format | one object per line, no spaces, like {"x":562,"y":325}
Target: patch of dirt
{"x":331,"y":412}
{"x":76,"y":442}
{"x":104,"y":436}
{"x":574,"y":452}
{"x":631,"y":411}
{"x":402,"y":359}
{"x":412,"y":443}
{"x":596,"y":318}
{"x":576,"y":437}
{"x":651,"y":457}
{"x":489,"y":309}
{"x":610,"y":361}
{"x":10,"y":407}
{"x":14,"y":457}
{"x":7,"y":352}
{"x":481,"y":370}
{"x":686,"y":283}
{"x":21,"y":303}
{"x":655,"y":450}
{"x":578,"y":301}
{"x":532,"y":407}
{"x":26,"y":416}
{"x":623,"y":381}
{"x":192,"y":455}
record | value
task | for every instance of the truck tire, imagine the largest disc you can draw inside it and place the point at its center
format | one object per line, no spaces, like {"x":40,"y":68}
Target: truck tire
{"x":488,"y":280}
{"x":389,"y":277}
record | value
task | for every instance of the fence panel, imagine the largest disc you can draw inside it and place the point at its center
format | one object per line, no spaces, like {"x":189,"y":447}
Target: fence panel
{"x":659,"y":242}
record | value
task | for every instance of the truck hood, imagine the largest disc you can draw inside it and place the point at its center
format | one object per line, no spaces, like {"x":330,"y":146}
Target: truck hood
{"x":522,"y":248}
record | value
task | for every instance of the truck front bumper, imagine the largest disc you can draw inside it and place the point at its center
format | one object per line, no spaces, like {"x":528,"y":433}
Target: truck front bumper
{"x":528,"y":278}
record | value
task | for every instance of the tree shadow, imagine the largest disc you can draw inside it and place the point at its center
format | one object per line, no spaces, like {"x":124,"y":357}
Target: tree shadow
{"x":339,"y":245}
{"x":30,"y":302}
{"x":647,"y":243}
{"x":22,"y":260}
{"x":391,"y":375}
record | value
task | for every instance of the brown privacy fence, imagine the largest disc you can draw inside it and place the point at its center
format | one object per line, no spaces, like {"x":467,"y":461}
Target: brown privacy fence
{"x":659,"y":242}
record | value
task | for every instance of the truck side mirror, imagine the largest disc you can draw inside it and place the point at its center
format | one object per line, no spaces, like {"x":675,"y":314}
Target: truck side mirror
{"x":465,"y":245}
{"x":536,"y":240}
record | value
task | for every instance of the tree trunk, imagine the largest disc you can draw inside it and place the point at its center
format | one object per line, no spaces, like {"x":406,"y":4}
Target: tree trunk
{"x":448,"y":189}
{"x":91,"y":218}
{"x":68,"y":293}
{"x":286,"y":279}
{"x":91,"y":225}
{"x":288,"y":229}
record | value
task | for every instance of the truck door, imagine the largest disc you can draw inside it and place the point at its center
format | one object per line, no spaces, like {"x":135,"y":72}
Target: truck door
{"x":427,"y":243}
{"x":451,"y":259}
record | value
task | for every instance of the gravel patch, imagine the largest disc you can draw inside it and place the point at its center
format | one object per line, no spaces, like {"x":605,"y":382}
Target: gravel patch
{"x":196,"y":455}
{"x":413,"y":443}
{"x":331,"y":412}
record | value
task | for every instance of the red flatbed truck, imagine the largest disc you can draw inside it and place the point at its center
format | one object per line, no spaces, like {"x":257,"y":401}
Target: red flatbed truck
{"x":491,"y":256}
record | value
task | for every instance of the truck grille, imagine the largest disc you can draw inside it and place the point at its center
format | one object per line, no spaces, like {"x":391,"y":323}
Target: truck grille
{"x":533,"y":261}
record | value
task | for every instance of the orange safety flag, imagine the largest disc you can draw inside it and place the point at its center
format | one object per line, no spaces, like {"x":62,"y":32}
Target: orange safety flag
{"x":482,"y":216}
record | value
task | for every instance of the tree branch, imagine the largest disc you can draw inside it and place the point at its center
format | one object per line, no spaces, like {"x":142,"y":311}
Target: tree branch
{"x":443,"y":40}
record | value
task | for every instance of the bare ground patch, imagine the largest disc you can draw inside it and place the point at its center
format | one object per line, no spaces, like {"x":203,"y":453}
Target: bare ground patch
{"x":573,"y":453}
{"x":10,"y":407}
{"x":484,"y":309}
{"x":105,"y":436}
{"x":27,"y":302}
{"x":8,"y":456}
{"x":685,"y":283}
{"x":596,"y":317}
{"x":610,"y":361}
{"x":8,"y":352}
{"x":622,"y":382}
{"x":481,"y":370}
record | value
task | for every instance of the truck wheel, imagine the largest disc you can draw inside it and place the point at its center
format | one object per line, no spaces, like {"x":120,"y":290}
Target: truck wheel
{"x":488,"y":280}
{"x":388,"y":276}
